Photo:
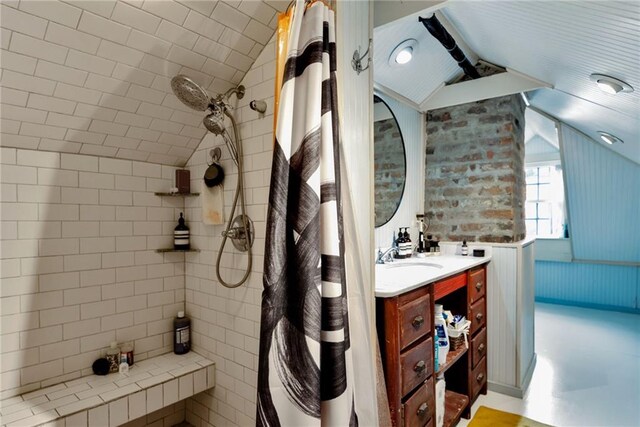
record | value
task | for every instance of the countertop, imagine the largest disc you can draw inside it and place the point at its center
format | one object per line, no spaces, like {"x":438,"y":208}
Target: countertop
{"x":404,"y":275}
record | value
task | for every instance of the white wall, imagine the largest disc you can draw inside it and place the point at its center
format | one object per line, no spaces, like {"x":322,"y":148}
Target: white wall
{"x":79,"y":267}
{"x":226,"y":322}
{"x":411,"y":124}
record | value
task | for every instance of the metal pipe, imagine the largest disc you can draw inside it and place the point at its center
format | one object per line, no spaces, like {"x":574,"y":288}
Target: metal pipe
{"x":436,"y":29}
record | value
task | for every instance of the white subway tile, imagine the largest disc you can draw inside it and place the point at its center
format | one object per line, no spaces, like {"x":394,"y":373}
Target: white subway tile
{"x":9,"y":267}
{"x":57,"y":177}
{"x":155,"y":398}
{"x":59,"y":281}
{"x":79,"y":163}
{"x":37,"y":130}
{"x":19,"y":211}
{"x":18,"y":322}
{"x":72,"y":38}
{"x":79,"y":94}
{"x":116,"y":197}
{"x":58,"y":316}
{"x":80,"y":228}
{"x":95,"y":342}
{"x":38,"y":48}
{"x":106,"y":84}
{"x":109,"y":128}
{"x":185,"y":386}
{"x":117,"y":290}
{"x":185,"y":57}
{"x":161,"y":66}
{"x":41,"y":265}
{"x":79,"y":419}
{"x":16,"y":62}
{"x":97,"y":277}
{"x":54,"y":11}
{"x":95,"y":112}
{"x":98,"y":309}
{"x":137,"y":405}
{"x":38,"y":193}
{"x":13,"y":19}
{"x":99,"y":416}
{"x":120,"y":53}
{"x":17,"y":249}
{"x":81,"y":328}
{"x":211,"y":49}
{"x":87,"y":196}
{"x":59,"y":350}
{"x":22,"y":114}
{"x":81,"y":405}
{"x":13,"y":97}
{"x":59,"y":146}
{"x":82,"y":262}
{"x":104,"y":28}
{"x":119,"y":412}
{"x":55,"y":212}
{"x":116,"y":228}
{"x":120,"y":103}
{"x":98,"y":150}
{"x":156,"y":111}
{"x":142,"y":133}
{"x":203,"y":25}
{"x":97,"y":180}
{"x":61,"y":73}
{"x":257,"y":31}
{"x":145,"y":94}
{"x":131,"y":273}
{"x":24,"y":82}
{"x":96,"y":245}
{"x":86,"y":62}
{"x":135,"y":18}
{"x":170,"y":392}
{"x":85,"y":137}
{"x":133,"y":75}
{"x":49,"y":103}
{"x":5,"y":38}
{"x":239,"y":61}
{"x":7,"y":156}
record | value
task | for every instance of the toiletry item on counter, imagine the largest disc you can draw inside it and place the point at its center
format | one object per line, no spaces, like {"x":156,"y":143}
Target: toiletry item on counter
{"x":181,"y":334}
{"x":181,"y":235}
{"x":441,"y":334}
{"x":478,"y":252}
{"x":465,"y":248}
{"x":400,"y":244}
{"x":126,"y":352}
{"x":123,"y":367}
{"x":113,"y":356}
{"x":421,"y":242}
{"x":436,"y":346}
{"x":101,"y":366}
{"x":183,"y":181}
{"x":408,"y":246}
{"x":440,"y":402}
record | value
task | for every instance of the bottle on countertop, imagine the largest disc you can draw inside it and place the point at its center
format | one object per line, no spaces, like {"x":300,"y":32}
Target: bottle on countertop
{"x":408,"y":246}
{"x":465,"y":248}
{"x":181,"y":334}
{"x":430,"y":246}
{"x":400,"y":244}
{"x":113,"y":356}
{"x":181,"y":235}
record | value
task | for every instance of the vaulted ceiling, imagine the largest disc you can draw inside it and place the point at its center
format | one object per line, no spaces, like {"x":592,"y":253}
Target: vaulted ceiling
{"x":93,"y":76}
{"x":560,"y":43}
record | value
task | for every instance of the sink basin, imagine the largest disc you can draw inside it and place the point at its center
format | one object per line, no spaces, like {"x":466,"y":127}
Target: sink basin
{"x":411,"y":264}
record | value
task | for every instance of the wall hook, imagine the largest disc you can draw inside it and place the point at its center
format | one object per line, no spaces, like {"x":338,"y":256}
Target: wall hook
{"x":356,"y":62}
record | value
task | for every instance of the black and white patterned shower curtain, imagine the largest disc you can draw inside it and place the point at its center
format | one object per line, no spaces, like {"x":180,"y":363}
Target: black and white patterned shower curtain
{"x":305,"y":372}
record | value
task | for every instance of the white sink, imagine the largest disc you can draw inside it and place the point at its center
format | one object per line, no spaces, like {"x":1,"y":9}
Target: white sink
{"x":411,"y":264}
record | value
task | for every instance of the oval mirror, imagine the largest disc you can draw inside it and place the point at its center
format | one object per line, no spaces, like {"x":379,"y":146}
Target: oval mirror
{"x":390,"y":162}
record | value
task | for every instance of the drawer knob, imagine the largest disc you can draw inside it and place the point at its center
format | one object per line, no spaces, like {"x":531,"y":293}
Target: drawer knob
{"x":479,"y":317}
{"x":422,"y":410}
{"x":420,"y":367}
{"x":417,"y":321}
{"x":481,"y":348}
{"x":478,"y":286}
{"x":480,"y":377}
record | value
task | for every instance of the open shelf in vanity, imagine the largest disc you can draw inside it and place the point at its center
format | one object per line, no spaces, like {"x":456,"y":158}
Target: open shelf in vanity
{"x":405,"y":326}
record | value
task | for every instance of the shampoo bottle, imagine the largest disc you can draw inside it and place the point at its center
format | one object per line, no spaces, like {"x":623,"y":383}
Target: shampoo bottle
{"x":465,"y":248}
{"x":400,"y":244}
{"x":408,"y":246}
{"x":181,"y":334}
{"x":181,"y":235}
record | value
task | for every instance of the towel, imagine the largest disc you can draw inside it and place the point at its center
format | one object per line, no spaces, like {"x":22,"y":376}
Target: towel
{"x":212,"y":204}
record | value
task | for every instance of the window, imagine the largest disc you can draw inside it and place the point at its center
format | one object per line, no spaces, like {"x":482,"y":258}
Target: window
{"x":544,"y":208}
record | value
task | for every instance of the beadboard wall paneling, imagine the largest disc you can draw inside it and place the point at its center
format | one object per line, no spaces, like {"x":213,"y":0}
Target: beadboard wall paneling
{"x":411,"y":123}
{"x":607,"y":286}
{"x":602,"y":196}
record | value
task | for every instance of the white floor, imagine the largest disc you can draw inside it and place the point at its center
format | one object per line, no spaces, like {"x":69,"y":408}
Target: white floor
{"x":588,"y":370}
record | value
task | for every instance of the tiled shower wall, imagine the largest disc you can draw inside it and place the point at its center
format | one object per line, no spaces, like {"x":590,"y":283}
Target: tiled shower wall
{"x":78,"y":263}
{"x":226,"y":322}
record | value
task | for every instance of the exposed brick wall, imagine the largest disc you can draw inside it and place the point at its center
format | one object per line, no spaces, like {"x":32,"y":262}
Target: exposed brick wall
{"x":390,"y":168}
{"x":475,"y":187}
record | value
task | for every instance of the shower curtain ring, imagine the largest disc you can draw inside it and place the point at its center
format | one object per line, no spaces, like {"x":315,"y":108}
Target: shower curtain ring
{"x":356,"y":62}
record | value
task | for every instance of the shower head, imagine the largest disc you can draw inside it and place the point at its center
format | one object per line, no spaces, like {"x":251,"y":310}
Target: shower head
{"x":214,"y":123}
{"x":190,"y":93}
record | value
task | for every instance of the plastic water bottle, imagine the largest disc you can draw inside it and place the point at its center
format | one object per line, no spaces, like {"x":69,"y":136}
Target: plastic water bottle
{"x":442,"y":335}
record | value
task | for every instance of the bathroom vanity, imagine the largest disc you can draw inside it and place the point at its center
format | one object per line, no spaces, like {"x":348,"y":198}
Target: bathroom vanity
{"x":406,"y":291}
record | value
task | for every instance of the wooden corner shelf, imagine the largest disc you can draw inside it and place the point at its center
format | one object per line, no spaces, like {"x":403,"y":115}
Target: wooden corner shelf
{"x":452,"y":357}
{"x":454,"y":405}
{"x":164,"y":250}
{"x":177,"y":194}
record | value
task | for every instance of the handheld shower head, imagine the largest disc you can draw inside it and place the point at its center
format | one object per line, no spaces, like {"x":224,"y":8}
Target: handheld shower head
{"x":214,"y":122}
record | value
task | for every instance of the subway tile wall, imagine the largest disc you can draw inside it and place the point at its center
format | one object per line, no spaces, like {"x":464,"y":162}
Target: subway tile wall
{"x":78,"y":263}
{"x":226,"y":322}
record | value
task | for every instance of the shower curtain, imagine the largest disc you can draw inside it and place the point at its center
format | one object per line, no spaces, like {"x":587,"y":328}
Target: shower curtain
{"x":305,"y":374}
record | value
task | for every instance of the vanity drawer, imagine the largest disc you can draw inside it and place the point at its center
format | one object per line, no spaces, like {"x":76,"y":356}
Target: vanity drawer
{"x":477,"y":284}
{"x":415,"y":320}
{"x":416,"y":365}
{"x":478,"y":347}
{"x":477,"y":315}
{"x":478,"y":377}
{"x":420,"y":407}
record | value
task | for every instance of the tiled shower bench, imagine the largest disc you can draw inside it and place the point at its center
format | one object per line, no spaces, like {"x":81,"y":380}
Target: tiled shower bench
{"x":114,"y":399}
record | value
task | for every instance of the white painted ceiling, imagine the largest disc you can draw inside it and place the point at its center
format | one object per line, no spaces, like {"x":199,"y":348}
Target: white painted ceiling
{"x":557,"y":42}
{"x":93,"y":76}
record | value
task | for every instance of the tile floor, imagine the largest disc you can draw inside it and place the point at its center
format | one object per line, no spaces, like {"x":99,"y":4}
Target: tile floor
{"x":588,"y":370}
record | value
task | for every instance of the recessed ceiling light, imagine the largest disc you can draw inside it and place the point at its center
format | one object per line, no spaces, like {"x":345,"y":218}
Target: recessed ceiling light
{"x":608,"y":138}
{"x":403,"y":53}
{"x":610,"y":84}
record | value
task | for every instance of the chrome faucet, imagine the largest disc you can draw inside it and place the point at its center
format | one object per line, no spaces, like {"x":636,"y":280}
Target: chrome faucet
{"x":386,"y":256}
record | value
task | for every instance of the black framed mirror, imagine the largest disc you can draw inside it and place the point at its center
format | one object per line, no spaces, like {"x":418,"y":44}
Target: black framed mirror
{"x":390,"y":162}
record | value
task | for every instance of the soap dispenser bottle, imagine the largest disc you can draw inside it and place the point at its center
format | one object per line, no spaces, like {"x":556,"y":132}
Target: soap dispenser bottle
{"x":408,"y":246}
{"x":465,"y":248}
{"x":181,"y":235}
{"x":400,"y":244}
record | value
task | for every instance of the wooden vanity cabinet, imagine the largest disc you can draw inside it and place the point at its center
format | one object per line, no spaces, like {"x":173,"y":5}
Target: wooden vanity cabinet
{"x":405,"y":331}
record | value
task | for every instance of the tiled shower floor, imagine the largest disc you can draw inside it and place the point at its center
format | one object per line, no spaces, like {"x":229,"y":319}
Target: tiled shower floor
{"x":588,"y":370}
